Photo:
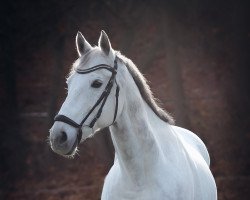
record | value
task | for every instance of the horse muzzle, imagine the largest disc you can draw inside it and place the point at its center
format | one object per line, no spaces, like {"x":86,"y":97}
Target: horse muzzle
{"x":63,"y":139}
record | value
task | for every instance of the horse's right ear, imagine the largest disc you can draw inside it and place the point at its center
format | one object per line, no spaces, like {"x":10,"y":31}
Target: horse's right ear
{"x":81,"y":44}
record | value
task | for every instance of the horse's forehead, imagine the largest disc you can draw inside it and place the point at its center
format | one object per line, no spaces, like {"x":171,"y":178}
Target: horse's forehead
{"x":91,"y":59}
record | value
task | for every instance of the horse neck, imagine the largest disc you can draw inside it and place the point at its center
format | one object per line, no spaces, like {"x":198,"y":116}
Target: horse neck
{"x":135,"y":139}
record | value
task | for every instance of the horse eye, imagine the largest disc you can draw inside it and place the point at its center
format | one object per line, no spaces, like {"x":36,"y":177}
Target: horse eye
{"x":96,"y":84}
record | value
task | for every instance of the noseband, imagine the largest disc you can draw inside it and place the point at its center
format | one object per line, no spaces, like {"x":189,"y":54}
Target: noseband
{"x":102,"y":99}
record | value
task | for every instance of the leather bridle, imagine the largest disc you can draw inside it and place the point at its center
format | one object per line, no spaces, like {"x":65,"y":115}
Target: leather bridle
{"x":102,"y":99}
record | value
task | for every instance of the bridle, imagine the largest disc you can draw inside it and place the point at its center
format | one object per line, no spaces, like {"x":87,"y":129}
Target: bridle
{"x":102,"y":99}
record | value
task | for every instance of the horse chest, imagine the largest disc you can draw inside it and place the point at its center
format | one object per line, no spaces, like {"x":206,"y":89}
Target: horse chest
{"x":147,"y":193}
{"x":164,"y":186}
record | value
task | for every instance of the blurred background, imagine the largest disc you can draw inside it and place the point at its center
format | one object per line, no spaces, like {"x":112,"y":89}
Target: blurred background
{"x":194,"y":53}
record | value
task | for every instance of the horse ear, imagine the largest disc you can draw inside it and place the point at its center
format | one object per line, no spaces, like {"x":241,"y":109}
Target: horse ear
{"x":81,"y":44}
{"x":104,"y":43}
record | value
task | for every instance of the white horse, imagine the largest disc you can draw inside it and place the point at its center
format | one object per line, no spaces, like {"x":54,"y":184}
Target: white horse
{"x":154,"y":160}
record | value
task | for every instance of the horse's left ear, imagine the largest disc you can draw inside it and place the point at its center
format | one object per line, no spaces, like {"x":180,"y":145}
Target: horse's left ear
{"x":82,"y":44}
{"x":104,"y":43}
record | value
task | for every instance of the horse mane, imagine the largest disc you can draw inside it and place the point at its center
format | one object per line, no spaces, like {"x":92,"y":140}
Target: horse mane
{"x":144,"y":89}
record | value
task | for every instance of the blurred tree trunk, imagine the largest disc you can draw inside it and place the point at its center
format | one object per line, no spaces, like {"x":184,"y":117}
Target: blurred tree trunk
{"x":12,"y":162}
{"x":171,"y":35}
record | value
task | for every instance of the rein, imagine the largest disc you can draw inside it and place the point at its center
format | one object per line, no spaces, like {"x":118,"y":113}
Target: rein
{"x":102,"y":99}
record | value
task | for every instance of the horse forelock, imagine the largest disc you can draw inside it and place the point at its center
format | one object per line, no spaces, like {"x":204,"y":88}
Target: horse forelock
{"x":85,"y":61}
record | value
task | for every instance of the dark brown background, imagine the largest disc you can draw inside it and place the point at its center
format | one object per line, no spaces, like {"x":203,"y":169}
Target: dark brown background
{"x":194,"y":53}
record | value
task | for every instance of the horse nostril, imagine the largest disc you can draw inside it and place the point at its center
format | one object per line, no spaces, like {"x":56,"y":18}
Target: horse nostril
{"x":63,"y":138}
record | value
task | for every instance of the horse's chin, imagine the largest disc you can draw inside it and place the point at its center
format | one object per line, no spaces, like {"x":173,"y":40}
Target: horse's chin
{"x":67,"y":154}
{"x":73,"y":150}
